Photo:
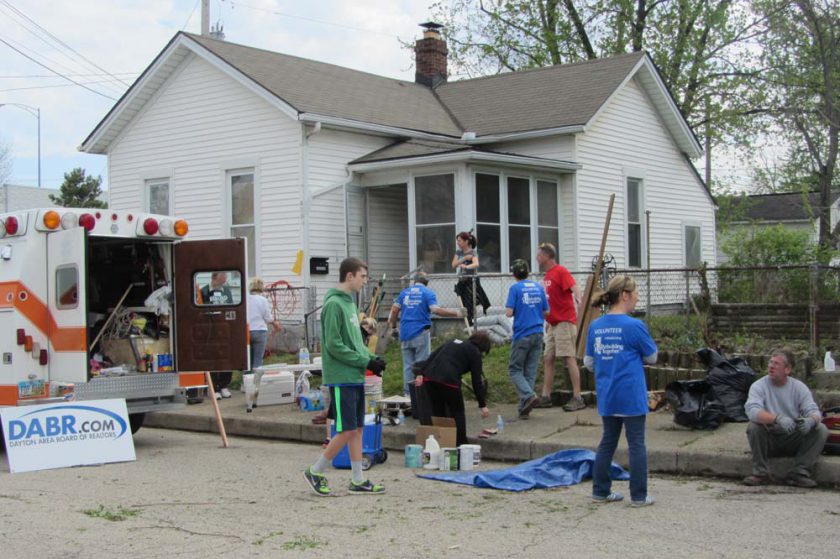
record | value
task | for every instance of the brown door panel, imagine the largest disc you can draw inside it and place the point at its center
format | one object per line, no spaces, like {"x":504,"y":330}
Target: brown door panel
{"x":211,"y":334}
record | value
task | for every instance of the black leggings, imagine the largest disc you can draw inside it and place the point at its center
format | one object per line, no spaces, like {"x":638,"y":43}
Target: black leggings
{"x":447,"y":402}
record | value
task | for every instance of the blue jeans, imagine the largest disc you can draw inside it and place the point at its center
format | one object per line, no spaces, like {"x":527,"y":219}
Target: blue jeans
{"x":416,"y":349}
{"x":522,"y":366}
{"x":259,"y":338}
{"x":634,"y":430}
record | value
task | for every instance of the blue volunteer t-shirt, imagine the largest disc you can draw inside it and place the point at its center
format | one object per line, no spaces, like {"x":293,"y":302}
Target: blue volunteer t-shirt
{"x":617,"y":343}
{"x":415,"y":305}
{"x":528,"y":301}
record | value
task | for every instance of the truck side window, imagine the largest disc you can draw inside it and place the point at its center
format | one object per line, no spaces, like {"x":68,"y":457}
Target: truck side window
{"x":67,"y":287}
{"x":223,"y":287}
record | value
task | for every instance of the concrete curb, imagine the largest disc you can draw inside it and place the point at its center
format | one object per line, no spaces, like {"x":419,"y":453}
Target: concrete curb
{"x":721,"y":453}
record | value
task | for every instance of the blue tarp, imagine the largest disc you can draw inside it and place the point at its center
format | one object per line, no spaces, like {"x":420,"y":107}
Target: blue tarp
{"x":565,"y":467}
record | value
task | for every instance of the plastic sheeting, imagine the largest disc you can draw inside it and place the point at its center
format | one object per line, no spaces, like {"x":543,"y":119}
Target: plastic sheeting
{"x":565,"y":467}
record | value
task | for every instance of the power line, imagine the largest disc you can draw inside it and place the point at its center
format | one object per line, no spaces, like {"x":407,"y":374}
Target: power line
{"x":62,"y":43}
{"x":191,"y":14}
{"x":52,"y":85}
{"x":53,"y":71}
{"x":51,"y":76}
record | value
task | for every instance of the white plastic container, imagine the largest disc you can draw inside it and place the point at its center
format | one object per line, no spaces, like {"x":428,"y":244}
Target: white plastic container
{"x":275,"y":387}
{"x":470,"y":456}
{"x":828,"y":363}
{"x":431,"y":454}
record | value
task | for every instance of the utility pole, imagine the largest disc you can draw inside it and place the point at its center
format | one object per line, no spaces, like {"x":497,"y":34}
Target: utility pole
{"x":205,"y":18}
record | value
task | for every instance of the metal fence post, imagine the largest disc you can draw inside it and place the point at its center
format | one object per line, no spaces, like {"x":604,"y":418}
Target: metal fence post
{"x":647,"y":249}
{"x":813,"y":306}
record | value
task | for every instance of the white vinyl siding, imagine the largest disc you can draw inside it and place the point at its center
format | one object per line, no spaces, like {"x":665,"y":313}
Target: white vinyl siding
{"x":629,"y":135}
{"x":202,"y":124}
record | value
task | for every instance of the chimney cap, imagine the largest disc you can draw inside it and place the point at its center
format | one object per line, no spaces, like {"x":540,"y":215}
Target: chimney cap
{"x":431,"y":26}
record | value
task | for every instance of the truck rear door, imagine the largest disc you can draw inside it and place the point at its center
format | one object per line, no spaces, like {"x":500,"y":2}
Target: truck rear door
{"x":210,"y":305}
{"x":67,"y":305}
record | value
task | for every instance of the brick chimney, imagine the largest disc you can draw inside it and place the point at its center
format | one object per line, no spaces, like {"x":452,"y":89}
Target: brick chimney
{"x":430,"y":56}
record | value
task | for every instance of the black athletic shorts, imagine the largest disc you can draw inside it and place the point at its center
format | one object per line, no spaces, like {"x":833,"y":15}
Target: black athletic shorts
{"x":347,"y":407}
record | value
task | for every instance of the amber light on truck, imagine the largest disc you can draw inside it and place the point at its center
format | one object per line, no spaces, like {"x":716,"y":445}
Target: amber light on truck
{"x":181,"y":228}
{"x":52,"y":220}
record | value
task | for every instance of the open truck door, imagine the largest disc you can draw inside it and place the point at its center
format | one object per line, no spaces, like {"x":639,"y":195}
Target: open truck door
{"x":210,"y":305}
{"x":67,"y":305}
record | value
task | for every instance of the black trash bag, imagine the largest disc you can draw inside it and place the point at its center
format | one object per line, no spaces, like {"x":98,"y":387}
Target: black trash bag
{"x":695,"y":404}
{"x":731,"y":379}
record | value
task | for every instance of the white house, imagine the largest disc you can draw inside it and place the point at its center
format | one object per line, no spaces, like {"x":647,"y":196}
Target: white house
{"x":795,"y":211}
{"x":296,"y":155}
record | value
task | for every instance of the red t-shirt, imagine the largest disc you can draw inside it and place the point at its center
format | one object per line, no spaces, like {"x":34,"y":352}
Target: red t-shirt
{"x":558,"y":284}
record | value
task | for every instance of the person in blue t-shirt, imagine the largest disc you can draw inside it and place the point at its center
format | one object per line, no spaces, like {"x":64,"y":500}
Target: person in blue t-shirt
{"x":414,"y":307}
{"x":617,"y":345}
{"x":528,"y":305}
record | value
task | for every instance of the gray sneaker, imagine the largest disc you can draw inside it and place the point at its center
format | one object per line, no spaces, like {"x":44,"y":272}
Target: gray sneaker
{"x":544,"y":402}
{"x":575,"y":404}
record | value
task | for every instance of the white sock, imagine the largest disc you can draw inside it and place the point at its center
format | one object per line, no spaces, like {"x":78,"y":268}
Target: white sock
{"x":357,"y":471}
{"x":320,"y":465}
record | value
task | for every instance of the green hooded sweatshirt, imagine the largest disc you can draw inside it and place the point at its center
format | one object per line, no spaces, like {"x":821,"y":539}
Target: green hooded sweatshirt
{"x":343,"y":352}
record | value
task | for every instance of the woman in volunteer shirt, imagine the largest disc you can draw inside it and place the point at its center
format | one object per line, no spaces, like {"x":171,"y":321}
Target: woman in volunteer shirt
{"x":616,"y":348}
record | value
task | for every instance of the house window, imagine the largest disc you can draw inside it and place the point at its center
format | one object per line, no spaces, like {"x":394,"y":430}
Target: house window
{"x":693,"y":253}
{"x":488,"y":228}
{"x":434,"y":212}
{"x":242,"y":224}
{"x":519,"y":219}
{"x":548,"y":214}
{"x":157,"y":195}
{"x":634,"y":223}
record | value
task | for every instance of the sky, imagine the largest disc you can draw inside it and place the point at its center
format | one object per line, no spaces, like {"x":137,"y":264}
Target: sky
{"x":105,"y":44}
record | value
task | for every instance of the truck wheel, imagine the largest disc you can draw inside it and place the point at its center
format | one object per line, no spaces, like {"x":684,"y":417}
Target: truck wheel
{"x":136,"y":421}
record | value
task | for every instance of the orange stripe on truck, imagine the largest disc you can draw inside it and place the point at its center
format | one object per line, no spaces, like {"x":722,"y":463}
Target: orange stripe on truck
{"x":16,"y":294}
{"x":191,"y":379}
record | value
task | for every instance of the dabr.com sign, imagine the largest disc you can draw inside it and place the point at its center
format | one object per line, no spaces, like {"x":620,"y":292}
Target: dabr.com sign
{"x":67,"y":434}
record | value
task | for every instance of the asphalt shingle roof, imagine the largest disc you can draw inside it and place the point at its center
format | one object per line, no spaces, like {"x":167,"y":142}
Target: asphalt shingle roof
{"x":783,"y":207}
{"x":537,"y":99}
{"x":326,"y":89}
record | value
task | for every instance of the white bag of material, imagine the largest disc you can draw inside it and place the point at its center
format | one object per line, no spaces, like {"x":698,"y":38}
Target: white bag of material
{"x":302,"y":384}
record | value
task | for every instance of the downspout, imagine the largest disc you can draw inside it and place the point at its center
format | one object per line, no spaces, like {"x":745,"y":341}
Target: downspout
{"x":306,"y":198}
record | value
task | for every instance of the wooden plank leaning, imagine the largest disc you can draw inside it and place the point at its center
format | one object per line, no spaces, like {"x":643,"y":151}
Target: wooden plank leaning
{"x":586,"y":312}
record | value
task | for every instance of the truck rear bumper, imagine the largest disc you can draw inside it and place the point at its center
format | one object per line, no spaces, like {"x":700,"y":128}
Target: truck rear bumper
{"x":143,"y":392}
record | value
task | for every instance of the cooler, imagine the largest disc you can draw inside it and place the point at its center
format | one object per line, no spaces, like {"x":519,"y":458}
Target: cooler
{"x":276,"y":387}
{"x":372,"y":451}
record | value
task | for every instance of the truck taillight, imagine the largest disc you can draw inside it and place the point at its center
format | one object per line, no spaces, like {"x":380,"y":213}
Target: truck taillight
{"x":69,"y":220}
{"x":166,"y":228}
{"x":11,"y":225}
{"x":87,"y":221}
{"x":150,"y":226}
{"x":43,"y":357}
{"x":27,"y":343}
{"x":52,"y":220}
{"x":21,"y":336}
{"x":181,"y":227}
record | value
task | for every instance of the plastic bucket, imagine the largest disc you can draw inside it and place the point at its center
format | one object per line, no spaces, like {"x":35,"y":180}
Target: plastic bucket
{"x":474,"y":451}
{"x":413,"y":456}
{"x":373,"y":393}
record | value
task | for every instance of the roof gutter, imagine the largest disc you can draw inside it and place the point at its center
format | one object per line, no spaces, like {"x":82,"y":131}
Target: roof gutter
{"x":469,"y":156}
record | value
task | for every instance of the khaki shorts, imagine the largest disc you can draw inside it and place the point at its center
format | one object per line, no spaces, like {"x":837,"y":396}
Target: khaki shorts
{"x":560,"y":340}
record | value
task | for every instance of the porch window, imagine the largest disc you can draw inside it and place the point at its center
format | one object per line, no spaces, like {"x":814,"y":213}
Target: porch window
{"x":434,"y":211}
{"x":519,"y":219}
{"x":548,"y":216}
{"x":157,"y":196}
{"x":634,"y":223}
{"x":242,"y":224}
{"x":693,"y":253}
{"x":488,"y":222}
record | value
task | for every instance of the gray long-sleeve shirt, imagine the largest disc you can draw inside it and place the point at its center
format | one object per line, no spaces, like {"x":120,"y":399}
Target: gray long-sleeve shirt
{"x":793,"y":399}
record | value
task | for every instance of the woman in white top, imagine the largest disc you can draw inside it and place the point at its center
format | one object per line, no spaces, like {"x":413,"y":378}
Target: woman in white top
{"x":259,"y":317}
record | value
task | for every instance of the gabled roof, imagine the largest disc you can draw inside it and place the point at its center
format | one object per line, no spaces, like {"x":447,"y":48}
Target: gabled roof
{"x":544,"y":101}
{"x":788,"y":206}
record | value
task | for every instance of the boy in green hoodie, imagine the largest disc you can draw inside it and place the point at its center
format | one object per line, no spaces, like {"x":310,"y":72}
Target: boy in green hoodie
{"x":344,"y":360}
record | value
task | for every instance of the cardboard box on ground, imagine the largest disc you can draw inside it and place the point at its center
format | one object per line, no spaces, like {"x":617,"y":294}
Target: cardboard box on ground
{"x":443,"y":428}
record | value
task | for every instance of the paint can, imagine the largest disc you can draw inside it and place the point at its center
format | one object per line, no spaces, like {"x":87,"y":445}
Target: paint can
{"x":474,"y":450}
{"x":373,"y":393}
{"x":413,"y":456}
{"x":465,"y":457}
{"x":449,"y":459}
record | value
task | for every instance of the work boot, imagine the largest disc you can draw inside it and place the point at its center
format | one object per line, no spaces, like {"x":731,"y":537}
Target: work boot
{"x":575,"y":404}
{"x":800,"y":480}
{"x":545,"y":402}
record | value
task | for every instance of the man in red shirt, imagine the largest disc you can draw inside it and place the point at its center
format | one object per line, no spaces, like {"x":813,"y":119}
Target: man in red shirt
{"x":561,"y":328}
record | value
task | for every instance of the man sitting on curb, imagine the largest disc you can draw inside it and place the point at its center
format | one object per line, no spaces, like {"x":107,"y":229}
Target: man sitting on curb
{"x":784,"y":421}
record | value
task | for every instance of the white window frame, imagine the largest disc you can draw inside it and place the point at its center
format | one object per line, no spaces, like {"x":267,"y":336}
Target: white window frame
{"x":637,"y":176}
{"x":228,"y":204}
{"x":683,"y":226}
{"x":536,"y":240}
{"x":412,"y":208}
{"x":147,"y":194}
